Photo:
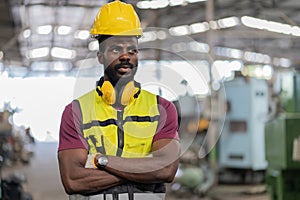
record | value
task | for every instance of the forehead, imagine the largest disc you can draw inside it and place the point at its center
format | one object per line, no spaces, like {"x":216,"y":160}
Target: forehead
{"x":121,"y":40}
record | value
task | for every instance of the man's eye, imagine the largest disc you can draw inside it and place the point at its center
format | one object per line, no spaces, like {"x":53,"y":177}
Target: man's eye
{"x":132,"y":51}
{"x":115,"y":50}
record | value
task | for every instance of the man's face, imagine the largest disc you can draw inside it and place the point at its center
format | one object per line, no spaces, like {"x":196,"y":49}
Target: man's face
{"x":119,"y":58}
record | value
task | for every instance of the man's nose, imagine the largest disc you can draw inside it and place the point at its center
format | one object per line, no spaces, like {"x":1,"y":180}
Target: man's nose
{"x":125,"y":55}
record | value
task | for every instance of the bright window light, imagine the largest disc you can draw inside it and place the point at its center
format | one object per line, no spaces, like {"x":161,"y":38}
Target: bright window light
{"x":82,"y":34}
{"x":62,"y":53}
{"x":64,"y":30}
{"x":44,"y":30}
{"x":27,"y":33}
{"x":39,"y":52}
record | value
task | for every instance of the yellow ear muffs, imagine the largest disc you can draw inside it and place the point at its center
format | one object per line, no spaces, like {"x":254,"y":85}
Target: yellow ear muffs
{"x":128,"y":93}
{"x":109,"y":96}
{"x":108,"y":93}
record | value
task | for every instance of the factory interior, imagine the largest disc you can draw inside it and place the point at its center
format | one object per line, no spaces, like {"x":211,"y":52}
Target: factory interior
{"x":231,"y":68}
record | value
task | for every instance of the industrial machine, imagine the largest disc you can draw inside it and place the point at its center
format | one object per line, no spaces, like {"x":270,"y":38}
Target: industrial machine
{"x":241,"y":147}
{"x":194,"y":175}
{"x":282,"y":137}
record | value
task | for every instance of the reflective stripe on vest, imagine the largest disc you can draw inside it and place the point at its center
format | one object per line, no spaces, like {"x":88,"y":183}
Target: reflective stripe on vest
{"x":126,"y":133}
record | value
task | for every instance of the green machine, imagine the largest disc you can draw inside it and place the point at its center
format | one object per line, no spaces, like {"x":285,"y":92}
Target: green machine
{"x":282,"y":139}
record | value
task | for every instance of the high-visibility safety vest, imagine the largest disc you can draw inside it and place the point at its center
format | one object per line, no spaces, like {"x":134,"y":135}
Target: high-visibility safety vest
{"x":125,"y":133}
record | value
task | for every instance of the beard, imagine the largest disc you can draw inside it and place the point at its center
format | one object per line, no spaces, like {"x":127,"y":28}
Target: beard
{"x":115,"y":79}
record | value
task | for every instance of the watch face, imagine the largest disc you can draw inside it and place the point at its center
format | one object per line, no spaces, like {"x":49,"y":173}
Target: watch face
{"x":103,"y":161}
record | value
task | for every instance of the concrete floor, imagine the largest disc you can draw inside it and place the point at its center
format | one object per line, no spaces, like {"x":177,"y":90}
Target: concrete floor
{"x":43,"y":180}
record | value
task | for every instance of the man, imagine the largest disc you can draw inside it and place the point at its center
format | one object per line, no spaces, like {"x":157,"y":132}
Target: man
{"x":118,"y":141}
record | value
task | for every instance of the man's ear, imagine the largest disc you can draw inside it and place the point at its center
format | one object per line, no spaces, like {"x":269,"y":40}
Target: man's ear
{"x":100,"y":57}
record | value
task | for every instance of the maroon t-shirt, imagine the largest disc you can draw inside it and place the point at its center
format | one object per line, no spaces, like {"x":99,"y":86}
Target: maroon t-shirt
{"x":71,"y":136}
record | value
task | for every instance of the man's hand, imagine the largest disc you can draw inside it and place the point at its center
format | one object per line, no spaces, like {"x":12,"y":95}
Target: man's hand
{"x":79,"y":175}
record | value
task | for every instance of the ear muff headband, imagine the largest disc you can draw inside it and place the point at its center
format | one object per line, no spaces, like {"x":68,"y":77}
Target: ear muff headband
{"x":109,"y":96}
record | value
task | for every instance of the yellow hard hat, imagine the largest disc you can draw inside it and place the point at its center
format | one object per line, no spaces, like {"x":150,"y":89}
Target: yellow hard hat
{"x":116,"y":18}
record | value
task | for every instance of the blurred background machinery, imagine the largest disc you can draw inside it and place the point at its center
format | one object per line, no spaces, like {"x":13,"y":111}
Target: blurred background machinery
{"x":194,"y":175}
{"x":241,"y":156}
{"x":282,"y":137}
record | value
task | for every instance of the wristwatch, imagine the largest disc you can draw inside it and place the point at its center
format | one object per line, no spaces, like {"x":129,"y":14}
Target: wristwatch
{"x":101,"y":161}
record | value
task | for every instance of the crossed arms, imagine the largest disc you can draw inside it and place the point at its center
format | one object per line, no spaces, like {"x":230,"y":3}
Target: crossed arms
{"x":159,"y":168}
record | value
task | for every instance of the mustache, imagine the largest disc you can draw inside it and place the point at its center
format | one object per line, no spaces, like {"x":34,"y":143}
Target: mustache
{"x":120,"y":65}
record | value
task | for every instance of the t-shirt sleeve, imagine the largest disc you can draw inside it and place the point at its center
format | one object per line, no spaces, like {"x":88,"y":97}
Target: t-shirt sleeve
{"x":168,"y":122}
{"x":70,"y":133}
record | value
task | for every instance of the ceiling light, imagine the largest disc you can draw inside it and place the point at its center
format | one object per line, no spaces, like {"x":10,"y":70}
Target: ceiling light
{"x":39,"y":66}
{"x":258,"y":71}
{"x":199,"y":27}
{"x":228,"y":22}
{"x":236,"y":65}
{"x":180,"y":30}
{"x":1,"y":55}
{"x":159,"y":4}
{"x":270,"y":26}
{"x":62,"y":53}
{"x":267,"y":71}
{"x":162,"y":35}
{"x":64,"y":30}
{"x":296,"y":31}
{"x":93,"y":46}
{"x":194,"y":1}
{"x":199,"y":47}
{"x":61,"y":66}
{"x":176,"y":2}
{"x":179,"y":47}
{"x":26,"y":33}
{"x":87,"y":63}
{"x":228,"y":52}
{"x":257,"y":57}
{"x":213,"y":25}
{"x":38,"y":53}
{"x":44,"y":30}
{"x":82,"y":34}
{"x":283,"y":62}
{"x":143,"y":4}
{"x":148,"y":36}
{"x":156,"y":4}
